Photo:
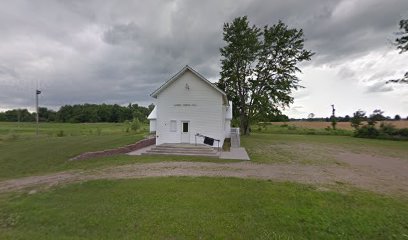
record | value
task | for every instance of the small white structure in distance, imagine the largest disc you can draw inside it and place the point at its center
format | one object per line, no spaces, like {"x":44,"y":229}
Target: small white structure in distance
{"x":187,"y":107}
{"x":152,"y":119}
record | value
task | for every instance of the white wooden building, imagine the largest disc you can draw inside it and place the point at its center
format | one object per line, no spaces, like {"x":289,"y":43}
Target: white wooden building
{"x":188,"y":107}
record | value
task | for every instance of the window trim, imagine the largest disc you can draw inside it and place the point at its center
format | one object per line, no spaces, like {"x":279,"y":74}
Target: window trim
{"x":173,"y":128}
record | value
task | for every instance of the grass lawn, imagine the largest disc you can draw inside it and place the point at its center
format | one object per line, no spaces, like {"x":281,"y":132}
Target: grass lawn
{"x":17,"y":130}
{"x":24,"y":154}
{"x":315,"y":149}
{"x":200,"y":208}
{"x":186,"y":207}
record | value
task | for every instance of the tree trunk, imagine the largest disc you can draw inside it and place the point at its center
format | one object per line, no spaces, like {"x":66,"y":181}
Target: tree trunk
{"x":244,"y":124}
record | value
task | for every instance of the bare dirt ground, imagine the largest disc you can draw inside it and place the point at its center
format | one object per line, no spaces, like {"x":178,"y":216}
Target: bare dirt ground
{"x":379,"y":174}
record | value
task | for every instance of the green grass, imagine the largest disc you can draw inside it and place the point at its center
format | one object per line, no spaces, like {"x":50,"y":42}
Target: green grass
{"x":200,"y":208}
{"x":36,"y":156}
{"x":118,"y":160}
{"x":315,"y":149}
{"x":188,"y":208}
{"x":22,"y":153}
{"x":52,"y":129}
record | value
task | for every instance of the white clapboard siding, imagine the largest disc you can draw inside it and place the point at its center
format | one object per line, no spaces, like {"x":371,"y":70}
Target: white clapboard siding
{"x":152,"y":118}
{"x":152,"y":125}
{"x":189,"y":98}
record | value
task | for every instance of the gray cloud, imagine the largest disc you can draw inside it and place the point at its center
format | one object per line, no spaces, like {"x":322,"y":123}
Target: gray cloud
{"x":379,"y":87}
{"x":119,"y":52}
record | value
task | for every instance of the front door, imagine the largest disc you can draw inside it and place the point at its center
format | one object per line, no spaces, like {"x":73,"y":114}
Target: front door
{"x":185,"y":132}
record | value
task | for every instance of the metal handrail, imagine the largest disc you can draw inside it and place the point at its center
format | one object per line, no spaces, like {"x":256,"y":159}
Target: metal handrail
{"x":200,"y":135}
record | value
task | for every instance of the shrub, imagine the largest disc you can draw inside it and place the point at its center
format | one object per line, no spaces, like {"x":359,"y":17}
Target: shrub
{"x":388,"y":129}
{"x":367,"y":131}
{"x":235,"y":122}
{"x":357,"y":119}
{"x":402,"y":132}
{"x":135,"y":125}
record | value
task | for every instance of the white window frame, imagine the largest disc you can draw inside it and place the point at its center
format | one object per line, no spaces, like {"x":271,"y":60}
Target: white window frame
{"x":173,"y":125}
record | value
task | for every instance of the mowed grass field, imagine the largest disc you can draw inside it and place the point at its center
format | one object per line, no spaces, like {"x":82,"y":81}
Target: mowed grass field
{"x":23,"y":153}
{"x":316,"y":149}
{"x":200,"y":208}
{"x":189,"y":207}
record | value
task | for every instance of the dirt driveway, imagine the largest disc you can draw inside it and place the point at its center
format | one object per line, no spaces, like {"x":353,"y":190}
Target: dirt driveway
{"x":380,"y":174}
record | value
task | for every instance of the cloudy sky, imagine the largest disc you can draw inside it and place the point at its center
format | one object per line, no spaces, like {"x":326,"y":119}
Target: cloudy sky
{"x":120,"y":51}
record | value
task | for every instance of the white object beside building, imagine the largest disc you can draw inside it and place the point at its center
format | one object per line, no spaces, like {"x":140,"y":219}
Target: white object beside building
{"x":189,"y":106}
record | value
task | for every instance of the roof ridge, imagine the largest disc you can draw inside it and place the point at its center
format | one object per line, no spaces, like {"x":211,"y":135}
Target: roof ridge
{"x":174,"y":77}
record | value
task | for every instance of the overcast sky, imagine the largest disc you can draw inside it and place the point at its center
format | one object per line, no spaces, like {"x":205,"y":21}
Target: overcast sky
{"x":120,"y":51}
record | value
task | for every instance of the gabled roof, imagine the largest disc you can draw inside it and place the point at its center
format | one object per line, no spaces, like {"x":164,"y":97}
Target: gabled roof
{"x":179,"y":74}
{"x":153,"y":114}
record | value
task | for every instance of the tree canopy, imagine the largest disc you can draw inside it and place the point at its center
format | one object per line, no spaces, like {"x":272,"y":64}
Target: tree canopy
{"x":402,"y":44}
{"x":259,"y":68}
{"x":80,"y":113}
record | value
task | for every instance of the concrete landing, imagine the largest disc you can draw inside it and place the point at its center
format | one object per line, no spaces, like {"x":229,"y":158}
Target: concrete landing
{"x":174,"y":149}
{"x":140,"y":151}
{"x":235,"y":153}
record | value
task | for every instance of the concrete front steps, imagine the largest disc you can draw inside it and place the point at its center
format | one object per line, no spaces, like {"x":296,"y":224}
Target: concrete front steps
{"x":183,"y":150}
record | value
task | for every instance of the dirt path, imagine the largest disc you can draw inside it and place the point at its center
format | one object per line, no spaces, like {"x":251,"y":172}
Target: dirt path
{"x":379,"y":174}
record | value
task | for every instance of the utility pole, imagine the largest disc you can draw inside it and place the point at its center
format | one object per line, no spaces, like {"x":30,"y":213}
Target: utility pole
{"x":333,"y":111}
{"x":333,"y":118}
{"x":37,"y":92}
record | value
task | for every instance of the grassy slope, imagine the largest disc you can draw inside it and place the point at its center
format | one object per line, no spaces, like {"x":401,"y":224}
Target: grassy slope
{"x":21,"y":153}
{"x":200,"y":208}
{"x":35,"y":156}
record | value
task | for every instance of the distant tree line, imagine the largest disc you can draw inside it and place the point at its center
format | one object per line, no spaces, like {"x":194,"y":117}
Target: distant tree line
{"x":379,"y":115}
{"x":81,"y":113}
{"x":369,"y":130}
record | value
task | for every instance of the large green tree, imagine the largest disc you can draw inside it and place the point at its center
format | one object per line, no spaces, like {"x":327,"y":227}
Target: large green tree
{"x":402,"y":44}
{"x":259,"y":68}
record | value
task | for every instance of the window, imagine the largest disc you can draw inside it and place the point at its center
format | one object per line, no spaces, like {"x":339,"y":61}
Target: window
{"x":173,"y":126}
{"x":185,"y":127}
